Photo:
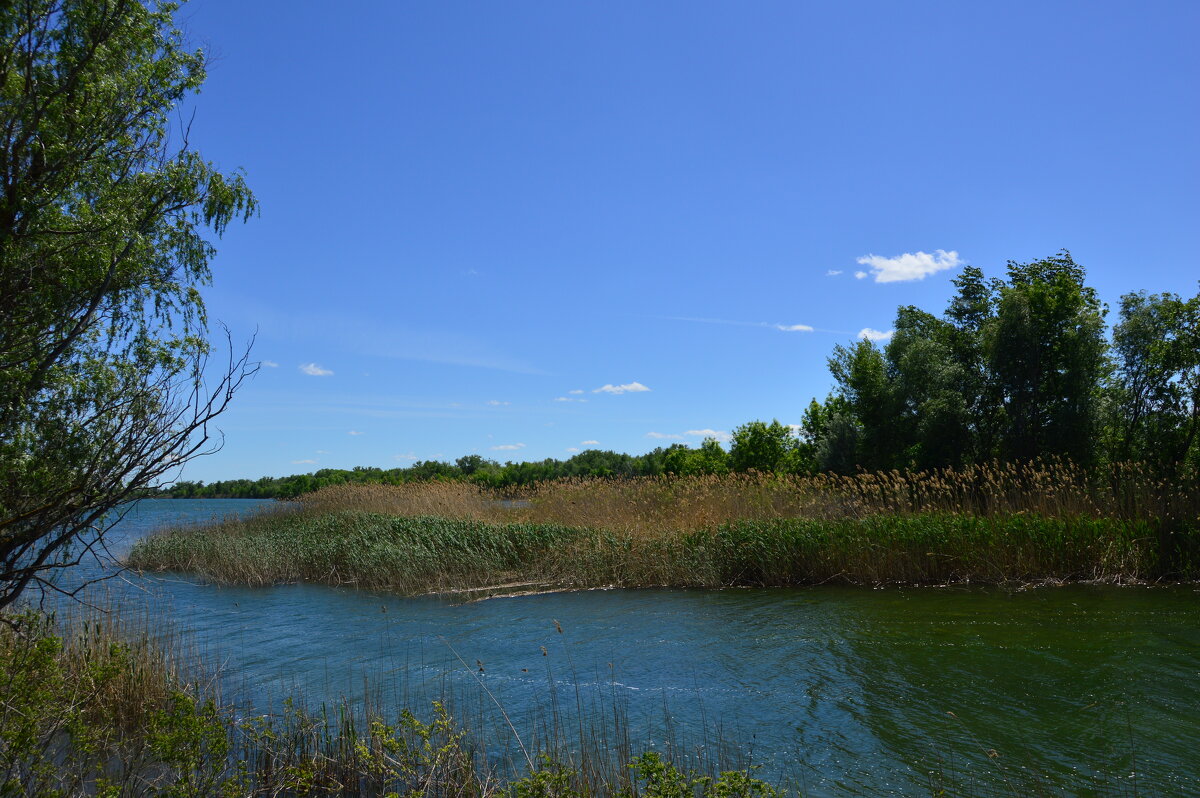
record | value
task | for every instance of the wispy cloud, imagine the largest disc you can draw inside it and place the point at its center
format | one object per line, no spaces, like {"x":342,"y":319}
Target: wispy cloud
{"x":498,"y":403}
{"x":663,"y":435}
{"x":589,"y":443}
{"x":576,"y":391}
{"x":304,"y":462}
{"x":833,"y":272}
{"x":875,"y":335}
{"x":354,"y":432}
{"x":709,"y":433}
{"x":313,"y":370}
{"x":860,"y":275}
{"x":909,"y":266}
{"x":629,"y":387}
{"x":764,"y":324}
{"x":322,"y":451}
{"x":409,"y":456}
{"x":508,"y":447}
{"x":568,"y":399}
{"x":270,"y":364}
{"x":572,"y":448}
{"x":377,"y":337}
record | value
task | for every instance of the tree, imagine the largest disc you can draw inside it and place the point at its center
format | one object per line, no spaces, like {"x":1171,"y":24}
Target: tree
{"x":1156,"y":395}
{"x":1013,"y":369}
{"x":104,"y":212}
{"x":930,"y":391}
{"x":710,"y":458}
{"x":762,"y":447}
{"x":861,"y":373}
{"x":1047,"y":350}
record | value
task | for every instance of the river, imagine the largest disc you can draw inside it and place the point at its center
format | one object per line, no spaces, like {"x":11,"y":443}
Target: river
{"x":1080,"y":690}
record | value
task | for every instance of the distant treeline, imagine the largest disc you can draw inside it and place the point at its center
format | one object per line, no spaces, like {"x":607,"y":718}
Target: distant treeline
{"x":1014,"y":370}
{"x":593,"y":462}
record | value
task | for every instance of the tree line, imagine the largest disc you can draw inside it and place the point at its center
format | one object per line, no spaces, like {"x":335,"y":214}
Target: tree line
{"x":1015,"y":369}
{"x":1018,"y":369}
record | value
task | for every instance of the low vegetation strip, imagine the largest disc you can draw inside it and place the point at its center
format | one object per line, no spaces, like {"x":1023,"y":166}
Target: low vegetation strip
{"x":414,"y":555}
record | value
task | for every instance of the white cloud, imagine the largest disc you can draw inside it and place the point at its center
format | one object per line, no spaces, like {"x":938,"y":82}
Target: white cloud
{"x":354,"y":432}
{"x":833,"y":272}
{"x":795,"y":427}
{"x":661,"y":435}
{"x":859,"y":275}
{"x":271,"y":364}
{"x":909,"y":266}
{"x":572,"y":449}
{"x":709,"y":433}
{"x":793,"y":327}
{"x":303,"y":462}
{"x":589,"y":443}
{"x":322,"y":451}
{"x":498,"y":403}
{"x":629,"y":387}
{"x":568,"y":399}
{"x":409,"y":456}
{"x":576,"y":391}
{"x":508,"y":447}
{"x":874,"y":335}
{"x":313,"y":370}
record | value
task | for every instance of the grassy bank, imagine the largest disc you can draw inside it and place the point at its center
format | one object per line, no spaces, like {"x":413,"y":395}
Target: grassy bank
{"x":426,"y":554}
{"x":101,"y":709}
{"x":992,"y":525}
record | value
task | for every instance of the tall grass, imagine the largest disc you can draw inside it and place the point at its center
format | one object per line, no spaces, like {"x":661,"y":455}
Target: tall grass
{"x":98,"y":706}
{"x":998,"y":524}
{"x":1051,"y":489}
{"x":420,"y":555}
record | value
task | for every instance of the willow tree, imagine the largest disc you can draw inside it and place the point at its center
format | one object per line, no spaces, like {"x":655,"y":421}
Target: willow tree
{"x":106,"y":214}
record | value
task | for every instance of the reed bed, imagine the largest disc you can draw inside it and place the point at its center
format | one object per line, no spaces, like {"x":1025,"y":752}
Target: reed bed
{"x":423,"y":555}
{"x":998,"y":524}
{"x":649,"y":504}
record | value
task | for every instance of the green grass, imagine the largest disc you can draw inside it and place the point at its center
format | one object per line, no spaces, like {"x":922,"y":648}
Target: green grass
{"x":428,"y":554}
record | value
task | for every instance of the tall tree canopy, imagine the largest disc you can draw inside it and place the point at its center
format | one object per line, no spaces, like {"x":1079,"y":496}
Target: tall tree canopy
{"x":104,"y":211}
{"x":1155,"y":404}
{"x":1016,"y":369}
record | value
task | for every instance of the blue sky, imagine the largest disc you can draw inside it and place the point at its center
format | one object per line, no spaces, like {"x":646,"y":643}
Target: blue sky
{"x":527,"y":228}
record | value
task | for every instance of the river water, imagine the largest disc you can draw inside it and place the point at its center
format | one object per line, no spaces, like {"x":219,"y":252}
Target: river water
{"x":1080,"y":690}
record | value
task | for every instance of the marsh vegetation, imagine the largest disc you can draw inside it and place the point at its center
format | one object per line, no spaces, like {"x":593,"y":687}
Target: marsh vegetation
{"x":998,"y":524}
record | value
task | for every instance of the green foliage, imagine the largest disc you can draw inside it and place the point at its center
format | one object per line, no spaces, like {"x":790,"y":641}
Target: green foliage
{"x":658,"y":778}
{"x":1018,"y":369}
{"x":103,"y":247}
{"x":79,"y":719}
{"x":710,"y":458}
{"x":1155,"y":403}
{"x":1046,"y":348}
{"x":760,"y":446}
{"x":550,"y":779}
{"x":471,"y":468}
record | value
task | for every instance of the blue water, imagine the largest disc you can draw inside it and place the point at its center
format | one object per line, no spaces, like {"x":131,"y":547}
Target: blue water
{"x":839,"y":691}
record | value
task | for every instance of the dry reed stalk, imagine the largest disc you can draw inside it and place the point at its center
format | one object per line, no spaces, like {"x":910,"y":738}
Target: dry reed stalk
{"x":1053,"y":489}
